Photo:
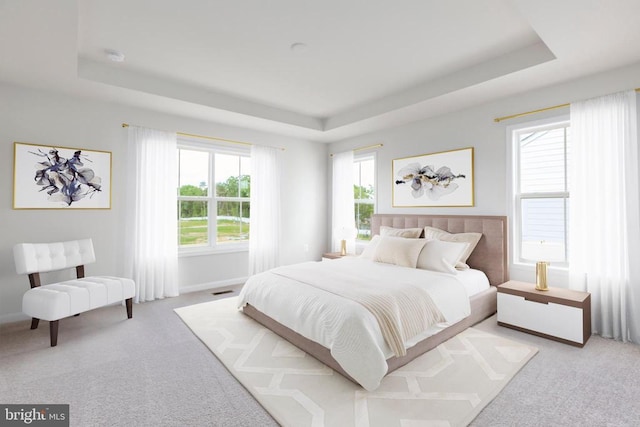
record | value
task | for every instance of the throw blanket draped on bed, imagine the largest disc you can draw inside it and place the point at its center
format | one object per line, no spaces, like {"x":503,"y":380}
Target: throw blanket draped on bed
{"x":346,"y":327}
{"x":402,"y":310}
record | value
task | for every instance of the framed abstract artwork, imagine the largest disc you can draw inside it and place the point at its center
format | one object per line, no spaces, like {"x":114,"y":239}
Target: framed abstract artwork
{"x":48,"y":177}
{"x":443,"y":179}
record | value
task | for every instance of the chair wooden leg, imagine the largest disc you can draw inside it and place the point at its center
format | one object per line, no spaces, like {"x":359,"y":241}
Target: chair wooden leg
{"x":34,"y":323}
{"x":53,"y":332}
{"x":129,"y":304}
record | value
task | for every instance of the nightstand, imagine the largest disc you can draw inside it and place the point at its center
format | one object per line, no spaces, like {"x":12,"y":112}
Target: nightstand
{"x":559,"y":314}
{"x":331,"y":255}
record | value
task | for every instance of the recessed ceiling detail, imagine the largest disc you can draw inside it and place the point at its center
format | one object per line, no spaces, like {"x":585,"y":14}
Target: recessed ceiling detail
{"x":163,"y":86}
{"x":365,"y":62}
{"x":367,"y":66}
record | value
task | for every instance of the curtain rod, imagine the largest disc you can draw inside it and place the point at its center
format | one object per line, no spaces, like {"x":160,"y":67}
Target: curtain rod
{"x":211,"y":138}
{"x":364,"y":148}
{"x":555,"y":107}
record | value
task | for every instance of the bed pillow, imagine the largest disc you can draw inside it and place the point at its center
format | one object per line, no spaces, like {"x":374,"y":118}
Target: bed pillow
{"x":369,"y":250}
{"x":471,"y":238}
{"x":399,"y":251}
{"x":411,"y":233}
{"x":440,"y":255}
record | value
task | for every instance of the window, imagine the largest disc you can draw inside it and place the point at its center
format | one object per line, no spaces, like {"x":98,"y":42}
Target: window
{"x":213,"y":197}
{"x":541,"y":188}
{"x":364,"y":188}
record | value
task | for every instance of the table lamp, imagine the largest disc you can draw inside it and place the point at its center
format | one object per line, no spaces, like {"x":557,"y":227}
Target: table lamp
{"x":344,"y":234}
{"x":543,"y":252}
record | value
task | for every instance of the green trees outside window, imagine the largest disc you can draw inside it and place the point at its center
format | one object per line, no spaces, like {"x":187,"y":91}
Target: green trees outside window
{"x":364,"y":193}
{"x":228,"y":200}
{"x":364,"y":198}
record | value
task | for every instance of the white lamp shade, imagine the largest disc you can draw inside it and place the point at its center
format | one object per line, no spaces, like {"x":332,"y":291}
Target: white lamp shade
{"x":542,"y":250}
{"x":346,"y":233}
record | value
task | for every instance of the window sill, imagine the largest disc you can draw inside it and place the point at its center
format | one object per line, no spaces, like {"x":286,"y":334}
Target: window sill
{"x":206,"y":251}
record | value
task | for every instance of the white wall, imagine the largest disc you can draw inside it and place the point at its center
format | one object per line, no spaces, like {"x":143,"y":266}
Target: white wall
{"x":28,"y":115}
{"x":41,"y":117}
{"x":475,"y":127}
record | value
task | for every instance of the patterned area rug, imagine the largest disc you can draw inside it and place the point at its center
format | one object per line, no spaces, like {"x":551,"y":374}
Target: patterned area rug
{"x":448,"y":386}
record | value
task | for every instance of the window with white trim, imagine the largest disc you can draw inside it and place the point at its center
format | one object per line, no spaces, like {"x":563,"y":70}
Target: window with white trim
{"x":214,"y":185}
{"x":364,"y":188}
{"x":541,"y":188}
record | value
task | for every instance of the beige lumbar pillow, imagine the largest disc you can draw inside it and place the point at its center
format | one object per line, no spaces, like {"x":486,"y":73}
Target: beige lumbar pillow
{"x":399,"y":251}
{"x":471,"y":238}
{"x":410,"y":233}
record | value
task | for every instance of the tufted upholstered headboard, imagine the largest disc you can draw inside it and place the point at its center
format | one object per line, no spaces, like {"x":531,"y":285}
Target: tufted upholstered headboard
{"x":491,"y":253}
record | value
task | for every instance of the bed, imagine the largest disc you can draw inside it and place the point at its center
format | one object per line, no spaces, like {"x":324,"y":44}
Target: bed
{"x":282,"y":312}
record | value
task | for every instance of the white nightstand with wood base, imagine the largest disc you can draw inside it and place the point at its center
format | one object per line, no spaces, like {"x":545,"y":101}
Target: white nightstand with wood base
{"x":559,"y":314}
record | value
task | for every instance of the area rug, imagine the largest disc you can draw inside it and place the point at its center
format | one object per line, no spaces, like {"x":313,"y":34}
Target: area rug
{"x":448,"y":386}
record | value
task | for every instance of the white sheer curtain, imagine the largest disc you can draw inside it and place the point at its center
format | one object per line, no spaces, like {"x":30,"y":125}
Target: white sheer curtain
{"x":264,"y":234}
{"x":343,"y":211}
{"x":604,"y":214}
{"x":151,"y":255}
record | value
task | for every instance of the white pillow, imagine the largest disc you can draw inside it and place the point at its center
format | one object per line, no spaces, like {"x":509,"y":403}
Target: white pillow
{"x":411,"y":233}
{"x":369,"y":251}
{"x":399,"y":251}
{"x":438,"y":255}
{"x":471,"y":238}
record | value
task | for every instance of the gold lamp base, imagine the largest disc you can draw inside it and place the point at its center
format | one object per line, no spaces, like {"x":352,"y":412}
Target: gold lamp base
{"x":343,"y":247}
{"x":541,"y":276}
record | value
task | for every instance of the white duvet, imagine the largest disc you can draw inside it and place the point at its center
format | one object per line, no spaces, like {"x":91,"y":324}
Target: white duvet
{"x":343,"y":326}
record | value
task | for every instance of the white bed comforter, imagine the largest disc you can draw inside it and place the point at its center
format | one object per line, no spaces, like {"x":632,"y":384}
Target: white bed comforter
{"x":345,"y":327}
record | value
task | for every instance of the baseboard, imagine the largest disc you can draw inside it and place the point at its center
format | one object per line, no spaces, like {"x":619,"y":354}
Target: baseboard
{"x":13,"y":317}
{"x":213,"y":285}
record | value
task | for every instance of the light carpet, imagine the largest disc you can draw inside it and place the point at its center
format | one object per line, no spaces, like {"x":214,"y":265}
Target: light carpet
{"x":448,"y":386}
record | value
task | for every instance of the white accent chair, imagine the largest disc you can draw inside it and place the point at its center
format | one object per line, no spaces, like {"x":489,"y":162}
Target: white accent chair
{"x":71,"y":297}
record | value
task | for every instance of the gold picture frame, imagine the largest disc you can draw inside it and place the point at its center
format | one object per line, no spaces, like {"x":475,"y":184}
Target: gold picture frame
{"x":442,"y":179}
{"x":54,"y":177}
